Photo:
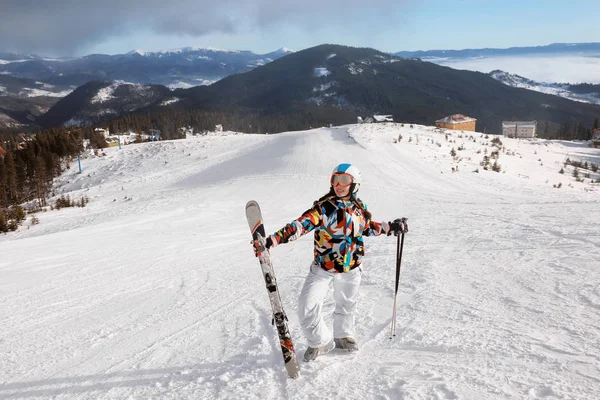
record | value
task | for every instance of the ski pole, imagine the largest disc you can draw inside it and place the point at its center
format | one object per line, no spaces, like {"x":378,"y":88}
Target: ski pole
{"x":399,"y":247}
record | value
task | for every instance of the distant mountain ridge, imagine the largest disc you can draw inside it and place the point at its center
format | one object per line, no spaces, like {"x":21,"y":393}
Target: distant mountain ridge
{"x":30,"y":84}
{"x":23,"y":100}
{"x":176,"y":68}
{"x":337,"y":83}
{"x":551,"y":49}
{"x":10,"y":57}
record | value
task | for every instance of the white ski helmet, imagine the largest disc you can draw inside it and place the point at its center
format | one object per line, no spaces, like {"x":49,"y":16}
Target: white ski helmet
{"x":353,"y":172}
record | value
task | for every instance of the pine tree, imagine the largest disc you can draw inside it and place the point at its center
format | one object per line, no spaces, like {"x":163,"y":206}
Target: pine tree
{"x":3,"y":185}
{"x":485,"y":163}
{"x":496,"y":166}
{"x":3,"y":222}
{"x":11,"y":178}
{"x":42,"y":188}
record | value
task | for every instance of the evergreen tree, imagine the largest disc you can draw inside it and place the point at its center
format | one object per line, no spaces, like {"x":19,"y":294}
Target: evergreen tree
{"x":42,"y":188}
{"x":12,"y":191}
{"x":3,"y":185}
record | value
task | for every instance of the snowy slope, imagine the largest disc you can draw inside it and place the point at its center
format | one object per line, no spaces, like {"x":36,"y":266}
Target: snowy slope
{"x":152,"y":290}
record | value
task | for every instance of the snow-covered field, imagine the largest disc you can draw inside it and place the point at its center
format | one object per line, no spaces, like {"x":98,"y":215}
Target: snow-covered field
{"x":152,"y":291}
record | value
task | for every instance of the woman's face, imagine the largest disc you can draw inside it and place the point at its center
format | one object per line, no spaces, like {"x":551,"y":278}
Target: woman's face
{"x":341,"y":183}
{"x":342,"y":191}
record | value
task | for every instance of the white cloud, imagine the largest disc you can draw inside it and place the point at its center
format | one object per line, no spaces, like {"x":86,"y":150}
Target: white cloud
{"x":81,"y":24}
{"x":570,"y":69}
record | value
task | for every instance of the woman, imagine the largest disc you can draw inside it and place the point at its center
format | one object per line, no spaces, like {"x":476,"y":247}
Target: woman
{"x":340,"y":220}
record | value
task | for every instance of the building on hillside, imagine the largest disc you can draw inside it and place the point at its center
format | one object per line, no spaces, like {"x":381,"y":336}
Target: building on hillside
{"x":596,"y":137}
{"x":519,"y":129}
{"x":112,"y":141}
{"x":457,"y":122}
{"x":103,"y":131}
{"x":2,"y":152}
{"x":375,"y":118}
{"x":383,"y":118}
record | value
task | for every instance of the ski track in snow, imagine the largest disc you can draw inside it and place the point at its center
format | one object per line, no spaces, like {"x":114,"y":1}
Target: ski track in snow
{"x":152,"y":290}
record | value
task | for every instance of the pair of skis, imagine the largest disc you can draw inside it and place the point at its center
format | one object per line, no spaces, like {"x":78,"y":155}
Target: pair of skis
{"x":255,"y":221}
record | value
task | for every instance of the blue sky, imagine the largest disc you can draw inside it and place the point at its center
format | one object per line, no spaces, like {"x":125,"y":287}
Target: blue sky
{"x":73,"y":27}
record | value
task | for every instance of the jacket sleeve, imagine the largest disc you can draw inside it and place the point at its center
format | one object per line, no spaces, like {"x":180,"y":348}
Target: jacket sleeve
{"x":373,"y":228}
{"x":308,"y":221}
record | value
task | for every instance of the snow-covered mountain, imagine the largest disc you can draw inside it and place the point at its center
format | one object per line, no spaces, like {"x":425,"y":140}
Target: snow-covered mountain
{"x":26,"y":88}
{"x":5,"y":120}
{"x":183,"y":67}
{"x":561,"y":69}
{"x":533,"y":68}
{"x":30,"y":85}
{"x":153,"y":291}
{"x":331,"y":84}
{"x":16,"y":57}
{"x":573,"y":63}
{"x":22,"y":100}
{"x":558,"y":89}
{"x":554,"y":49}
{"x":103,"y":100}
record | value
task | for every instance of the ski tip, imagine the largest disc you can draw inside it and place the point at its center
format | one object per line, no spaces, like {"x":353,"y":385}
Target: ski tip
{"x":251,"y":206}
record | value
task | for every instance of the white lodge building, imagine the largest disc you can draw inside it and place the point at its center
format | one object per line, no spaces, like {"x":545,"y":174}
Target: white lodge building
{"x":519,"y":129}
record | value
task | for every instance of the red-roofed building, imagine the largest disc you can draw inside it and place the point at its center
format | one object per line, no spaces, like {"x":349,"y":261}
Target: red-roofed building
{"x":596,"y":137}
{"x":2,"y":151}
{"x":458,"y":122}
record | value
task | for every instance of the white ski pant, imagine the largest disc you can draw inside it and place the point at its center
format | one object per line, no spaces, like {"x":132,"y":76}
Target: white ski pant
{"x":312,"y":297}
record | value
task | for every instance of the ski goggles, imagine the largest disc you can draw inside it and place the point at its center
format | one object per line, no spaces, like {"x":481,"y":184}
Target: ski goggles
{"x":341,"y":180}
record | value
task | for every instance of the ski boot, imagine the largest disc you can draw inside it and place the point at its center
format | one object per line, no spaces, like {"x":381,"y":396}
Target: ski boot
{"x":313,"y":352}
{"x":347,"y":343}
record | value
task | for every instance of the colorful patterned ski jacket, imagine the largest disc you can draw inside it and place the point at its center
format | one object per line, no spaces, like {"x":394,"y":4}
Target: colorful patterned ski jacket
{"x":339,"y":227}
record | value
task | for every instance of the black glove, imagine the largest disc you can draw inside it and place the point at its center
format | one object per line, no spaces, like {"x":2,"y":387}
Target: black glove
{"x":258,"y":247}
{"x":268,"y":242}
{"x":398,"y":226}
